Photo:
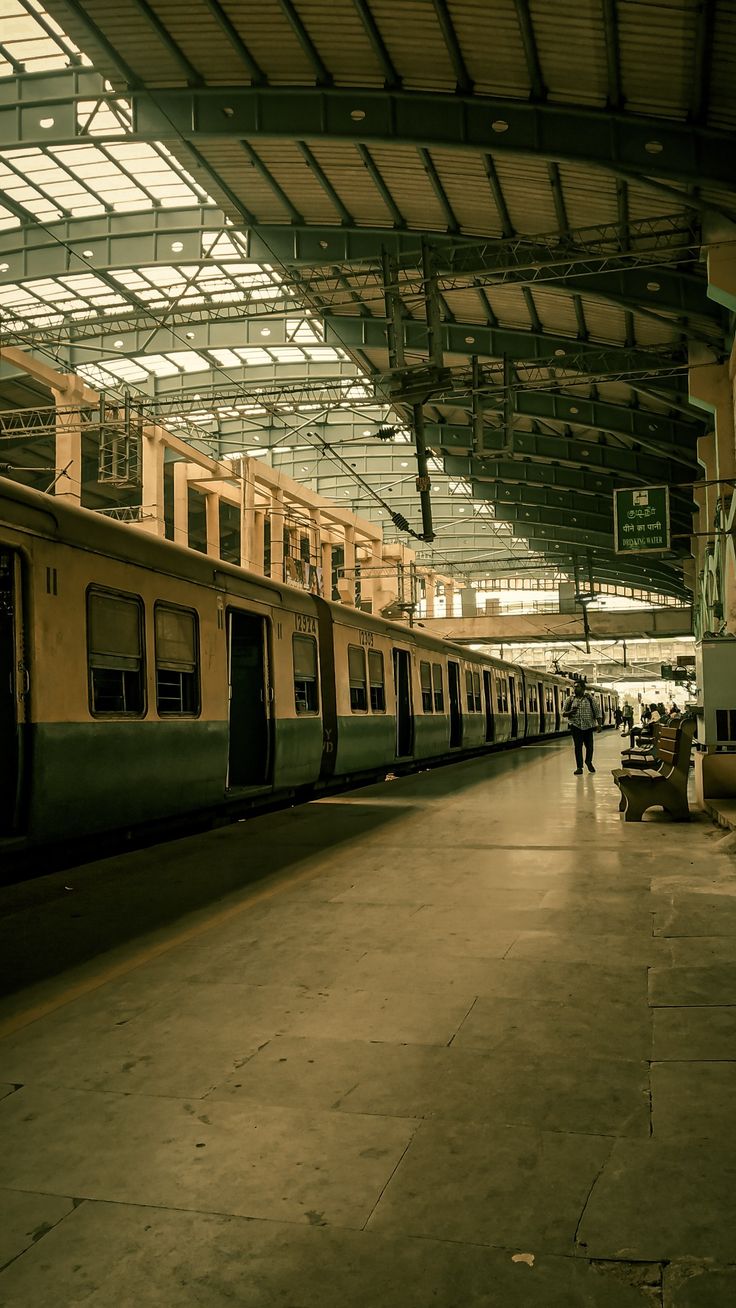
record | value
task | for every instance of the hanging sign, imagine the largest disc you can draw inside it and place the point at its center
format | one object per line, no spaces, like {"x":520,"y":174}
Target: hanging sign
{"x":641,"y":520}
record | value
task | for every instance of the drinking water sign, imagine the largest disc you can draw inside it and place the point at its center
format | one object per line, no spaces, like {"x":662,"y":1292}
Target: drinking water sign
{"x":642,"y":520}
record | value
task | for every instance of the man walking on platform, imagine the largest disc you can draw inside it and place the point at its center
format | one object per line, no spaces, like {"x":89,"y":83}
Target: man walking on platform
{"x":582,"y":714}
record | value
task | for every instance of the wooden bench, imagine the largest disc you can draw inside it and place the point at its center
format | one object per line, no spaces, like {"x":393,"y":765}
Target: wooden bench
{"x":664,"y":784}
{"x":642,"y":755}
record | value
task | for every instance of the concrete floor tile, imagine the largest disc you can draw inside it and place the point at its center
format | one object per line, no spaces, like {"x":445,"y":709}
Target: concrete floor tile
{"x":143,"y":1258}
{"x":699,"y":951}
{"x":616,"y":949}
{"x":693,"y":1100}
{"x":25,"y":1219}
{"x":276,"y":1163}
{"x":693,"y":986}
{"x":698,"y":916}
{"x":694,"y":1033}
{"x":596,"y":1027}
{"x":400,"y":1016}
{"x":698,"y":1286}
{"x":510,"y":1186}
{"x":594,"y":1096}
{"x":662,"y":1200}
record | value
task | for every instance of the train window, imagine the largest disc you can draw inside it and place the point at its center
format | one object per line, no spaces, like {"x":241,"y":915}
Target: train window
{"x":177,"y":661}
{"x":358,"y":683}
{"x":377,"y":681}
{"x":306,"y":695}
{"x":115,"y":653}
{"x":476,"y":692}
{"x":469,"y":690}
{"x":499,"y":693}
{"x":425,"y":679}
{"x":533,"y":705}
{"x":439,"y":694}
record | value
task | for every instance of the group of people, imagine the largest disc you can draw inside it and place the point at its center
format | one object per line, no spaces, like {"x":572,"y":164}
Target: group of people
{"x":650,"y":714}
{"x":583,"y":717}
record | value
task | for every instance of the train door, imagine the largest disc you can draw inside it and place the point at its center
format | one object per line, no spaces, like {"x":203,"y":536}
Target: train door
{"x":456,"y":715}
{"x":542,"y":718}
{"x":513,"y":705}
{"x":13,"y":687}
{"x":488,"y":702}
{"x":404,"y":715}
{"x":249,"y":749}
{"x":557,"y":707}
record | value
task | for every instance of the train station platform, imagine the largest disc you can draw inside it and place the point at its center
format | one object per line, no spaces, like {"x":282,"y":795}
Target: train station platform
{"x":462,"y":1038}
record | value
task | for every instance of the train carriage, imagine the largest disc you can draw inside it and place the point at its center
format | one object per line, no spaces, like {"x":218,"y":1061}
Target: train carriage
{"x":141,"y":681}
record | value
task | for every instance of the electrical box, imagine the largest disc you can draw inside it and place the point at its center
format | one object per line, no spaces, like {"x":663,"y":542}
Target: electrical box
{"x":715,"y":662}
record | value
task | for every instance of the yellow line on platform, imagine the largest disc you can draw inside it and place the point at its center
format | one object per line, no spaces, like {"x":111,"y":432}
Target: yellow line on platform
{"x":14,"y":1024}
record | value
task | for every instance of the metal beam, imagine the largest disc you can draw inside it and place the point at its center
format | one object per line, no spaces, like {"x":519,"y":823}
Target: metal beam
{"x":392,"y":80}
{"x":497,"y":343}
{"x":658,"y":148}
{"x":529,"y":41}
{"x":322,"y":73}
{"x":256,"y":73}
{"x":462,"y":77}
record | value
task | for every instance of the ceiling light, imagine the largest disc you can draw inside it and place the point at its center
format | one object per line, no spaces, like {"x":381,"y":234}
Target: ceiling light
{"x":118,"y":345}
{"x":265,"y":331}
{"x":177,"y":246}
{"x":357,"y":115}
{"x":653,"y":286}
{"x":87,"y":254}
{"x":46,"y":123}
{"x":500,"y":125}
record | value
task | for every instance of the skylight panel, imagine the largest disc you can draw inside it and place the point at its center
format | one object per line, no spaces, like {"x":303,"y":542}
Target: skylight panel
{"x":225,"y":358}
{"x":254,"y":356}
{"x":188,"y":361}
{"x":158,"y":364}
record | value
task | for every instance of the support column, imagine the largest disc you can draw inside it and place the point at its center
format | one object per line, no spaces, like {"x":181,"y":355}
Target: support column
{"x":248,"y":557}
{"x":430,"y":583}
{"x":276,"y":516}
{"x":315,"y":551}
{"x":181,"y":503}
{"x":449,"y":598}
{"x":68,"y":445}
{"x":349,"y":563}
{"x":259,"y":541}
{"x":326,"y":560}
{"x":152,"y":481}
{"x":212,"y":523}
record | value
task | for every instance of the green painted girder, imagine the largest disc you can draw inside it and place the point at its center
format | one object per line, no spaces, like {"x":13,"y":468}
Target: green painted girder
{"x":654,"y":147}
{"x":619,"y":419}
{"x":609,"y":566}
{"x":627,"y":465}
{"x":644,"y":425}
{"x":573,"y":507}
{"x":553,"y":478}
{"x":513,"y":343}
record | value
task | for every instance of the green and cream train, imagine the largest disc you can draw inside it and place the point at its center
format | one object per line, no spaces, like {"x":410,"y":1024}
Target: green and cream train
{"x":141,"y":682}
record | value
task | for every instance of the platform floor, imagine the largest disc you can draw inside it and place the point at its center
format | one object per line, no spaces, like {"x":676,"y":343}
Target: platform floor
{"x":468,"y":1040}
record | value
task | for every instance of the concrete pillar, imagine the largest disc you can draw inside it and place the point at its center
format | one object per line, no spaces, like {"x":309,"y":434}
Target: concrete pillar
{"x":430,"y":585}
{"x":212,"y":523}
{"x":152,"y":481}
{"x":719,"y":236}
{"x":259,"y":541}
{"x":68,"y":445}
{"x":449,"y":598}
{"x":276,"y":516}
{"x":181,"y":502}
{"x":711,"y":388}
{"x":349,"y":564}
{"x":381,"y":595}
{"x":326,"y":563}
{"x":248,"y":556}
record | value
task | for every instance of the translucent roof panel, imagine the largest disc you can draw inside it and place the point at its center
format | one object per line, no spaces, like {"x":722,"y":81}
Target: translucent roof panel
{"x":32,"y":42}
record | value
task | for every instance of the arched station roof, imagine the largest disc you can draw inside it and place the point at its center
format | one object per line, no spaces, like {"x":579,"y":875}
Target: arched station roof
{"x":239,"y":210}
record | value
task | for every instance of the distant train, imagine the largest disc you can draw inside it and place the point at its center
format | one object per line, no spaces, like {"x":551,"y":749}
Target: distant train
{"x":140,"y":681}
